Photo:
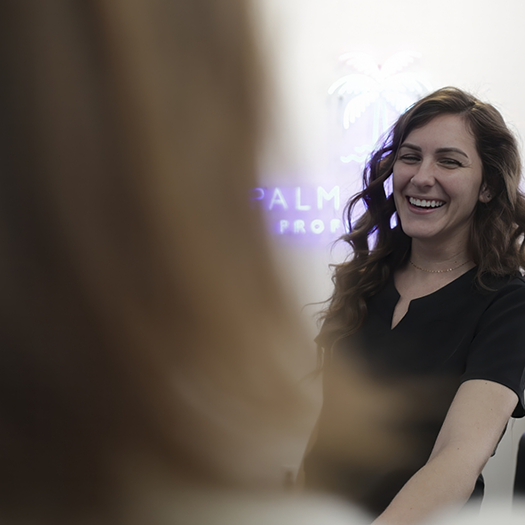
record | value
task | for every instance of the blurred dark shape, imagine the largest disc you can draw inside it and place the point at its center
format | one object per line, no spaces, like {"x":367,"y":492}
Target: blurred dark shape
{"x":519,"y":476}
{"x":367,"y":458}
{"x":144,"y":338}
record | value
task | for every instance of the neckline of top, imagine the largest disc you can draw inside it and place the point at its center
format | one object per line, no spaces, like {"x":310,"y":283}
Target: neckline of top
{"x":446,"y":287}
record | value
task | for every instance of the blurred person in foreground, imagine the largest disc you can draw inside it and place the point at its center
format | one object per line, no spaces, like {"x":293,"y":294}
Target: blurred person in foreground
{"x":432,"y":303}
{"x":146,"y":346}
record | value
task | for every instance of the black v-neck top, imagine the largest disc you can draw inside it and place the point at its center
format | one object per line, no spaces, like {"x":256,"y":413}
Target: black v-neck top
{"x":458,"y":333}
{"x":461,"y":330}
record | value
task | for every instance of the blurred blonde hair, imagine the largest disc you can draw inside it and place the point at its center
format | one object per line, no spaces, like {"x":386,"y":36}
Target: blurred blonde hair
{"x":141,"y":314}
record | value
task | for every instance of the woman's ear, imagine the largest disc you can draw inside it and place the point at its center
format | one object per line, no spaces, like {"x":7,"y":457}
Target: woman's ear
{"x":484,"y":194}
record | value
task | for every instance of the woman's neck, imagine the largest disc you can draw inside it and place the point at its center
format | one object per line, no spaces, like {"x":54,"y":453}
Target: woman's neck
{"x":437,"y":258}
{"x":428,"y":269}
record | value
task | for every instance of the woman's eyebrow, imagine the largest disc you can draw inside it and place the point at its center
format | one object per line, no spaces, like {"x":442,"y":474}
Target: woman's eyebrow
{"x":439,"y":150}
{"x":410,"y":146}
{"x":452,"y":150}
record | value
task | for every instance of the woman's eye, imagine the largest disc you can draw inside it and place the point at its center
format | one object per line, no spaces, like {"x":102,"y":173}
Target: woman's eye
{"x":409,"y":158}
{"x":451,"y":163}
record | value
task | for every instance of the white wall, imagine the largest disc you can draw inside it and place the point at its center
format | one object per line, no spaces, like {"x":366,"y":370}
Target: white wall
{"x":473,"y":44}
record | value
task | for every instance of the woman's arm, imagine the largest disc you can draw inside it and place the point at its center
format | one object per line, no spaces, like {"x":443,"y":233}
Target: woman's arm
{"x":473,"y":426}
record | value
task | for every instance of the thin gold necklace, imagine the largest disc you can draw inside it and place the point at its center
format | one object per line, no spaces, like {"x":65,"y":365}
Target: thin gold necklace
{"x":437,"y":271}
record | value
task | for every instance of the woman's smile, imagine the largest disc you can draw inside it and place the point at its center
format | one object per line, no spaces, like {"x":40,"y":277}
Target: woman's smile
{"x":425,"y":203}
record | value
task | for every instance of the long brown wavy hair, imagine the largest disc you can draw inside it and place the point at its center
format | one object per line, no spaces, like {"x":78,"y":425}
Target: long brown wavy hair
{"x":496,"y":240}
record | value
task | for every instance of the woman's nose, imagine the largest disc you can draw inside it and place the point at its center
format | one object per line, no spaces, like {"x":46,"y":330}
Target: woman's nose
{"x":424,"y":176}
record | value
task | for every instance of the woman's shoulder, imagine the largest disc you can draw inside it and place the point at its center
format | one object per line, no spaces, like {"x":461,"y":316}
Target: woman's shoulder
{"x":492,"y":284}
{"x":498,"y":295}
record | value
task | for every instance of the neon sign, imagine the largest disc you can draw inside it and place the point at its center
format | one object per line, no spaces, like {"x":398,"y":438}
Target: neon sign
{"x":365,"y":101}
{"x":386,"y":89}
{"x":301,"y":210}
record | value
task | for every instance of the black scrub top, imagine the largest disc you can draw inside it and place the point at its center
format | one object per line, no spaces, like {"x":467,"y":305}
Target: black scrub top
{"x":458,"y":333}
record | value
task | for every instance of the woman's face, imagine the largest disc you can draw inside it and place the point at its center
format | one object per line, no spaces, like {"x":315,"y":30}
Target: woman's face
{"x":437,"y":181}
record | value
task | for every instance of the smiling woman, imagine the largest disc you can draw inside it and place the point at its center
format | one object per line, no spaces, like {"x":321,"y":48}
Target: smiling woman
{"x":432,"y":306}
{"x":437,"y":182}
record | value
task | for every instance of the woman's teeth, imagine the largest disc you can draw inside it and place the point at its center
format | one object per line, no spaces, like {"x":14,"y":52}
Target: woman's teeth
{"x":425,"y":204}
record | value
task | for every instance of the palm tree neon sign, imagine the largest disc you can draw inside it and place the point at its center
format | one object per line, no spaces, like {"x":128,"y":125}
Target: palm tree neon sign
{"x":385,"y":87}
